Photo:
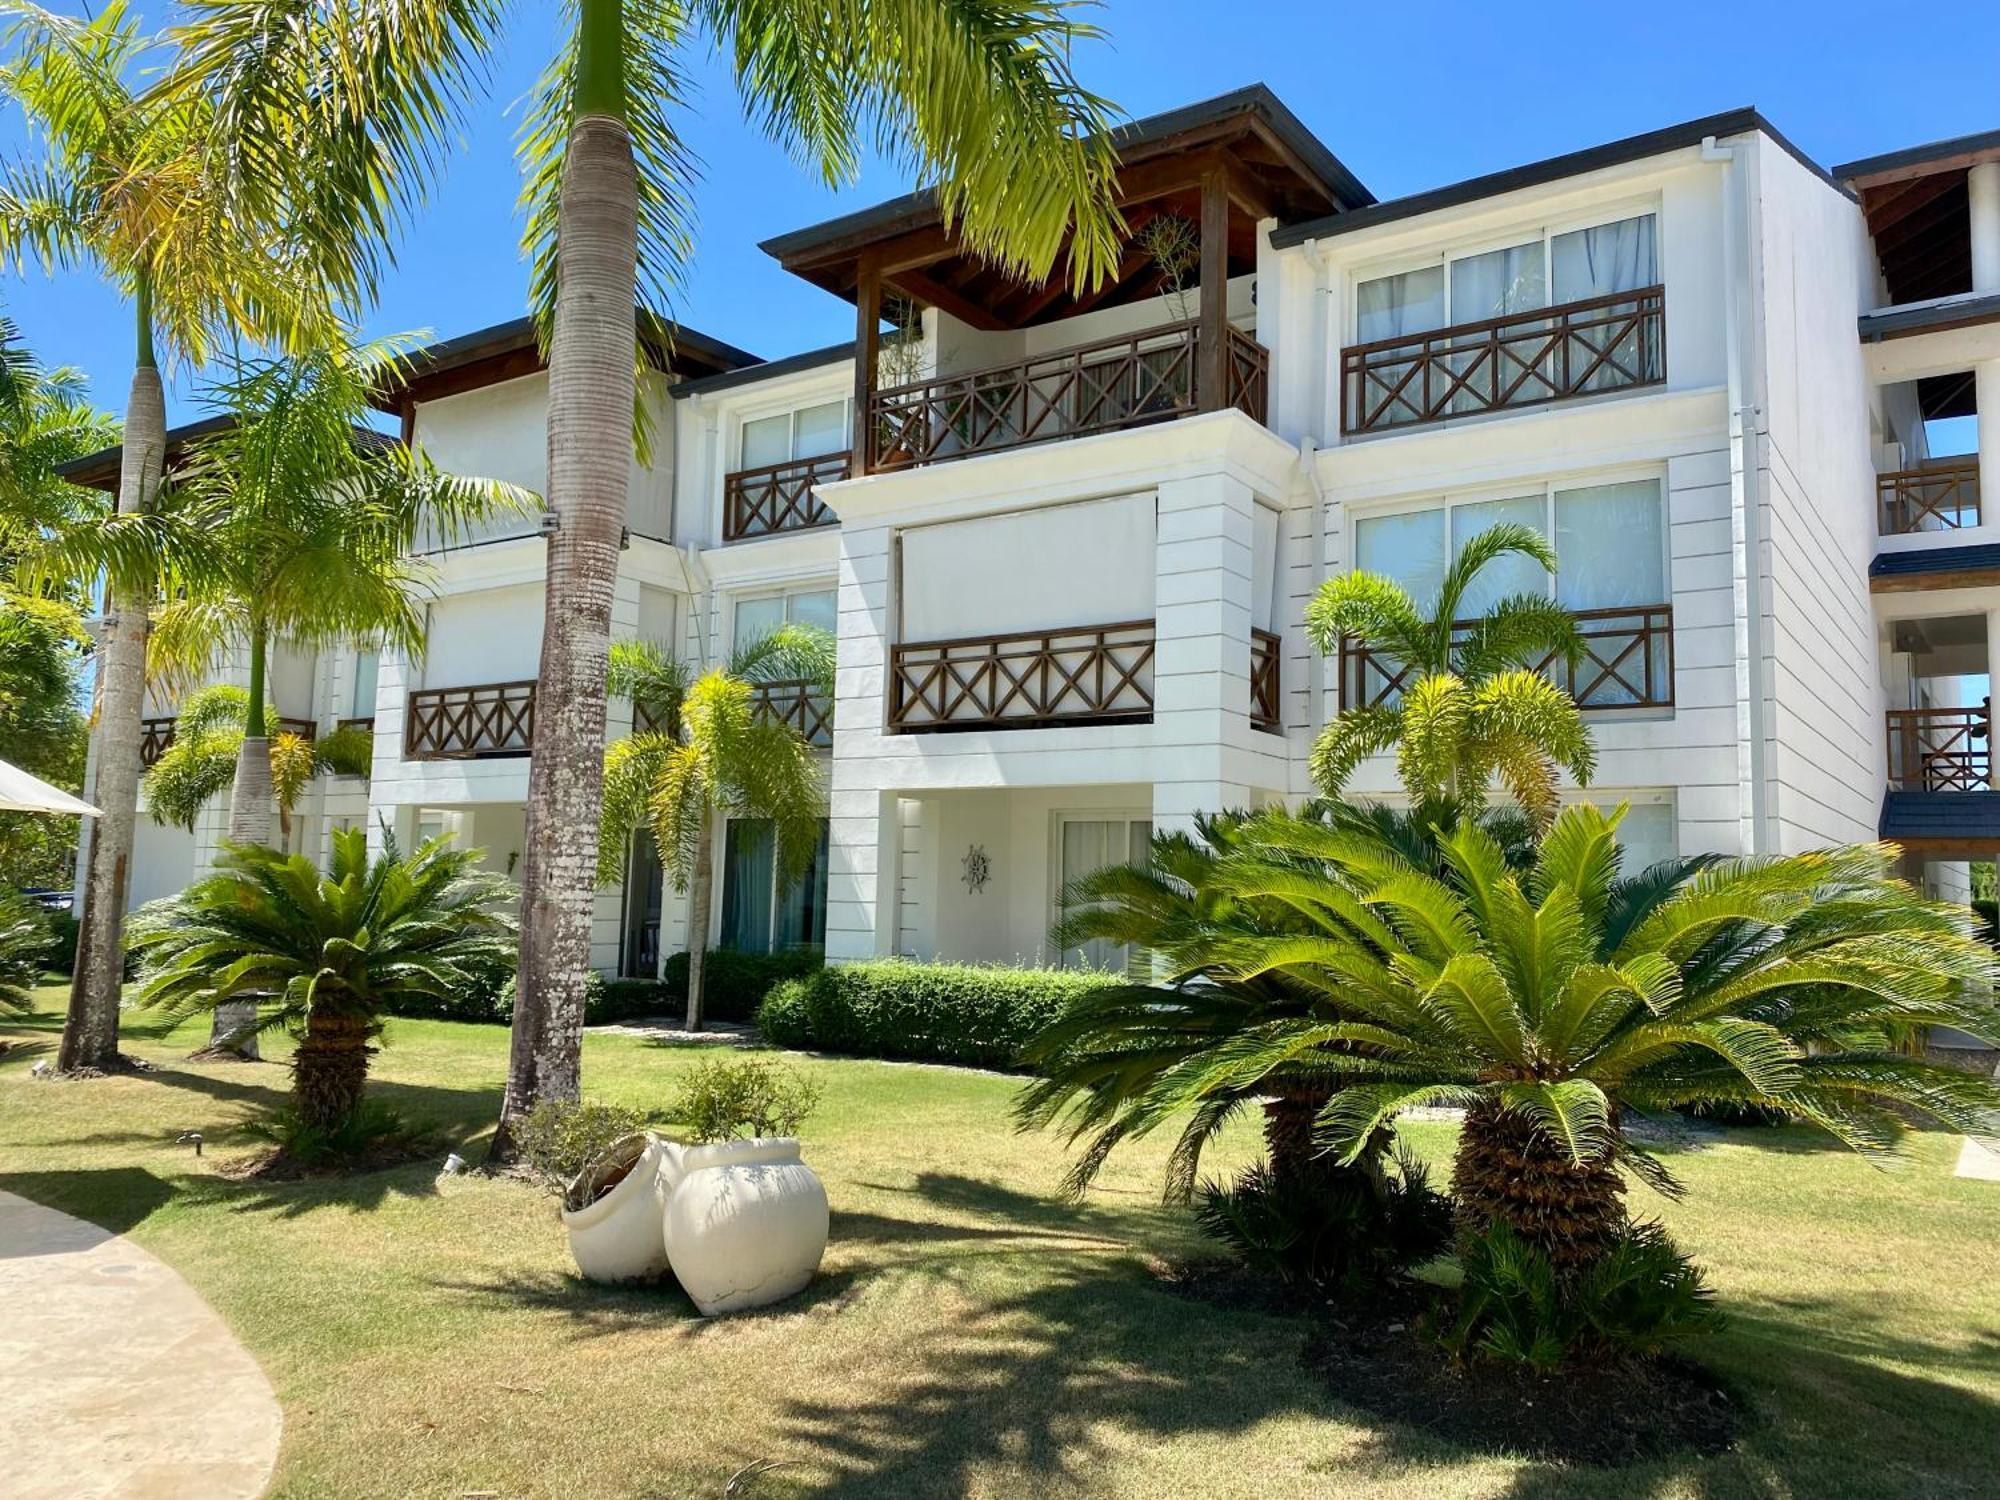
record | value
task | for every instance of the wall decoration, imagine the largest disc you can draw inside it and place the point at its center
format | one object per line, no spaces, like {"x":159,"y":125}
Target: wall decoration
{"x":978,"y":869}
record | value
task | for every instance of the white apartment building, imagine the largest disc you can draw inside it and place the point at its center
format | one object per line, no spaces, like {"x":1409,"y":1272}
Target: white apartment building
{"x":1066,"y":540}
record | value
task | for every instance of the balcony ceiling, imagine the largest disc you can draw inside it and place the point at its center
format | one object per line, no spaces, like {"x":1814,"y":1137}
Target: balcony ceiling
{"x":1270,"y":165}
{"x":1917,"y":210}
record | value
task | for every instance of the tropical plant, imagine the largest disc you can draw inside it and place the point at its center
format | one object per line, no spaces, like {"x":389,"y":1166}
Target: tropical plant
{"x":724,"y":1099}
{"x":124,"y":182}
{"x":207,"y":747}
{"x":25,"y":943}
{"x":334,"y":952}
{"x":1549,"y":1004}
{"x":1472,"y":705}
{"x":339,"y":110}
{"x":43,"y":647}
{"x":560,"y":1138}
{"x":46,"y":421}
{"x":710,"y":755}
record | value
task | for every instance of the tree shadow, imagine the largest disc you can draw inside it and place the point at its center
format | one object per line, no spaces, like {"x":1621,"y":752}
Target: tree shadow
{"x":593,"y":1309}
{"x":981,"y":1197}
{"x":111,"y":1199}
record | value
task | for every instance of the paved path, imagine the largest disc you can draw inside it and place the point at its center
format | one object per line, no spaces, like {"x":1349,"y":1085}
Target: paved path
{"x":121,"y":1383}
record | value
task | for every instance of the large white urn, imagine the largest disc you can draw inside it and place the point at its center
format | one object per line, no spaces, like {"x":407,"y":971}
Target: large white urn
{"x":620,"y":1235}
{"x":746,"y":1222}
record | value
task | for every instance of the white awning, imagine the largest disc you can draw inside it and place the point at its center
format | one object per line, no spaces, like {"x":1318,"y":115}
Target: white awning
{"x":20,"y":792}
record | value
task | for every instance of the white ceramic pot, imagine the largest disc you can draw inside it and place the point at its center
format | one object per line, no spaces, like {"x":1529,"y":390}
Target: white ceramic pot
{"x":746,"y":1224}
{"x":622,"y":1236}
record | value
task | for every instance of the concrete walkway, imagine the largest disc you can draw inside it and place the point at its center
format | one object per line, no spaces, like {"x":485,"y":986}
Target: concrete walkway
{"x":119,"y":1380}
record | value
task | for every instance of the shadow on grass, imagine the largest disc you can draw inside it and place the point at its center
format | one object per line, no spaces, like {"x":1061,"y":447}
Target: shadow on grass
{"x":114,"y":1199}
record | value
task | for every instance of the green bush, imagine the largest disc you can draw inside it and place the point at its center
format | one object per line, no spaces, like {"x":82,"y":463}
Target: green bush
{"x":61,"y":957}
{"x":723,"y":1099}
{"x":734,"y":984}
{"x":1517,"y":1307}
{"x":489,"y":998}
{"x":1339,"y":1230}
{"x":956,"y":1013}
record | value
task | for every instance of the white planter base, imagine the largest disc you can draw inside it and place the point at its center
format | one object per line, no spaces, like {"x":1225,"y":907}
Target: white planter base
{"x":746,"y":1223}
{"x":622,"y":1236}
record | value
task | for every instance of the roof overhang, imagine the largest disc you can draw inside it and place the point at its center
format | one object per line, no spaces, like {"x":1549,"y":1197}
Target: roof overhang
{"x":1926,"y":569}
{"x":100,"y":470}
{"x":509,"y":350}
{"x":1919,"y":211}
{"x":774,"y":369}
{"x":1943,"y":825}
{"x":1273,"y":167}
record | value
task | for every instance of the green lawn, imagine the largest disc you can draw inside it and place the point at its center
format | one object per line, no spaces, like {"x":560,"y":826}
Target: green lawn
{"x":970,"y":1334}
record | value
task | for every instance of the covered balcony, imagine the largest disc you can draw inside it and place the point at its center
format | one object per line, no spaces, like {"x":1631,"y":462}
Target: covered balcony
{"x":1093,"y":674}
{"x":1627,"y":663}
{"x":771,"y":499}
{"x":157,"y":734}
{"x":977,"y":360}
{"x":484,"y":721}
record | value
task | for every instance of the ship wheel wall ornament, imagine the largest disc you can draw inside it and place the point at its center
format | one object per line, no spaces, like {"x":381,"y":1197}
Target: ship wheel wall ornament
{"x":978,"y":869}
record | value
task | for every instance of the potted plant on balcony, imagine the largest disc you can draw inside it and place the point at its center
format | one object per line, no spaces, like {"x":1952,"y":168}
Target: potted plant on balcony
{"x":746,"y":1218}
{"x":902,"y":437}
{"x":1172,"y":243}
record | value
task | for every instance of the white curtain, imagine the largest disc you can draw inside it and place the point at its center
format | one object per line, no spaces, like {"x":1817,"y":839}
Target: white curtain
{"x":1391,"y":306}
{"x":821,"y":429}
{"x":1498,"y":283}
{"x":768,"y":440}
{"x":1610,"y":549}
{"x":1604,"y":259}
{"x":1407,"y":547}
{"x":1087,"y":847}
{"x":361,"y":704}
{"x":1509,"y":575}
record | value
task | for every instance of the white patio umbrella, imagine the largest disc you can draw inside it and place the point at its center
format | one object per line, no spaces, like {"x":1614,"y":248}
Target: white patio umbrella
{"x":20,"y":792}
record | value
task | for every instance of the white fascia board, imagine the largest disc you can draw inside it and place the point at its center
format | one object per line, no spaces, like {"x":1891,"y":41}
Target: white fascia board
{"x":1913,"y":356}
{"x":1524,"y":445}
{"x":1108,"y":463}
{"x":775,"y":559}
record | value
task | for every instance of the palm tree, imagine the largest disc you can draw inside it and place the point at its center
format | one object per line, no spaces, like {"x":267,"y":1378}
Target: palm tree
{"x":207,"y":750}
{"x":1473,"y":705}
{"x":1549,"y":1004}
{"x":339,"y":950}
{"x":336,"y":113}
{"x":46,"y":420}
{"x":292,"y":522}
{"x":25,"y":941}
{"x":711,"y":754}
{"x":123,"y":184}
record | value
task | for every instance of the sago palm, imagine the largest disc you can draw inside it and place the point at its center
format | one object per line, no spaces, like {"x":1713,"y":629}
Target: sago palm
{"x":207,"y":750}
{"x":711,"y":756}
{"x":122,"y":183}
{"x":335,"y":951}
{"x":1551,"y":1002}
{"x":1473,"y":704}
{"x":336,"y":114}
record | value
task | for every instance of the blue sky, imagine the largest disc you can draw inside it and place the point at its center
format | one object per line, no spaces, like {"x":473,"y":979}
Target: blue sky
{"x":1408,"y":97}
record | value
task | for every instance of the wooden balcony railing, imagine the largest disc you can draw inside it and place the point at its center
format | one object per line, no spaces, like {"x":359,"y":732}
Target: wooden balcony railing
{"x":797,"y":703}
{"x":359,"y":721}
{"x":1940,"y":496}
{"x":1940,"y":749}
{"x":1094,"y":674}
{"x":779,"y":497}
{"x":1266,"y":701}
{"x":1628,"y":662}
{"x":1524,"y":359}
{"x":486,"y":722}
{"x":155,"y":735}
{"x":1150,"y":376}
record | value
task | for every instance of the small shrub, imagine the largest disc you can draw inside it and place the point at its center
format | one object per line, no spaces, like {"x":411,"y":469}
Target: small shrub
{"x":557,"y":1139}
{"x":955,"y":1013}
{"x":25,"y":941}
{"x":725,"y":1099}
{"x":1338,"y":1230}
{"x":373,"y":1135}
{"x":1515,"y":1306}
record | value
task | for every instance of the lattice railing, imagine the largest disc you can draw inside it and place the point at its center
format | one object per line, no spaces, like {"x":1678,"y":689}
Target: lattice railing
{"x":779,"y":497}
{"x":1607,"y":343}
{"x":1266,"y":699}
{"x":1628,"y":662}
{"x":1941,"y":496}
{"x":1149,"y":376}
{"x":798,"y":703}
{"x":1940,"y":749}
{"x":1094,"y":674}
{"x":155,"y":735}
{"x":487,"y":721}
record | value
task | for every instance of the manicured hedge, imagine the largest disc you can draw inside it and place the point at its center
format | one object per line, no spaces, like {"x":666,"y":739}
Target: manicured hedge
{"x":735,"y":984}
{"x":957,"y":1013}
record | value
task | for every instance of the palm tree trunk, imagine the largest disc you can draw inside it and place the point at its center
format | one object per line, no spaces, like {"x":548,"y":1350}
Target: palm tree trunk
{"x":1288,"y":1127}
{"x":699,"y":895}
{"x":1507,"y":1173}
{"x":90,"y":1032}
{"x":592,"y":390}
{"x":232,"y":1028}
{"x":330,"y":1068}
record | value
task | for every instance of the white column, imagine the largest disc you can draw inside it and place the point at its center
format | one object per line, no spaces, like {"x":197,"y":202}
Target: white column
{"x":863,"y":833}
{"x":1982,"y":184}
{"x":1201,"y":658}
{"x":1992,"y":660}
{"x":1986,"y":395}
{"x":863,"y":854}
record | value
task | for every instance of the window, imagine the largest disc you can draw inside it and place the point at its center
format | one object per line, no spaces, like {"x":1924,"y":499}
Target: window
{"x":760,"y":616}
{"x":1087,"y":846}
{"x":758,"y":917}
{"x":809,"y":432}
{"x":361,"y":705}
{"x":1550,"y":270}
{"x":1649,"y":834}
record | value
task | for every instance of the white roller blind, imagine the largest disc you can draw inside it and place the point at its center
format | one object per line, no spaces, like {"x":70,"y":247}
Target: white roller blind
{"x":1264,"y":568}
{"x":1069,"y":565}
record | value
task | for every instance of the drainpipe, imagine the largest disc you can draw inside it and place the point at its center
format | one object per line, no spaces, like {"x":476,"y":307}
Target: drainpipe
{"x":1316,"y":421}
{"x":1745,"y":495}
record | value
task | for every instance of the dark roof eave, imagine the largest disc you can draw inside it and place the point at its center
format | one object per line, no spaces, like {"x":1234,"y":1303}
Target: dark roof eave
{"x":101,"y":469}
{"x":791,"y":364}
{"x":1551,"y":169}
{"x":1930,"y":317}
{"x":519,"y":333}
{"x":1974,"y":557}
{"x":912,"y":210}
{"x":1916,"y":156}
{"x":1957,"y":817}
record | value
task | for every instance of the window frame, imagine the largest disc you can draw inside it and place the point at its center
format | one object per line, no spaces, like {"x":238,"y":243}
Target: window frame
{"x":789,"y":410}
{"x":778,"y":897}
{"x":1443,"y":253}
{"x":1448,"y":500}
{"x":787,"y":592}
{"x":1061,"y":817}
